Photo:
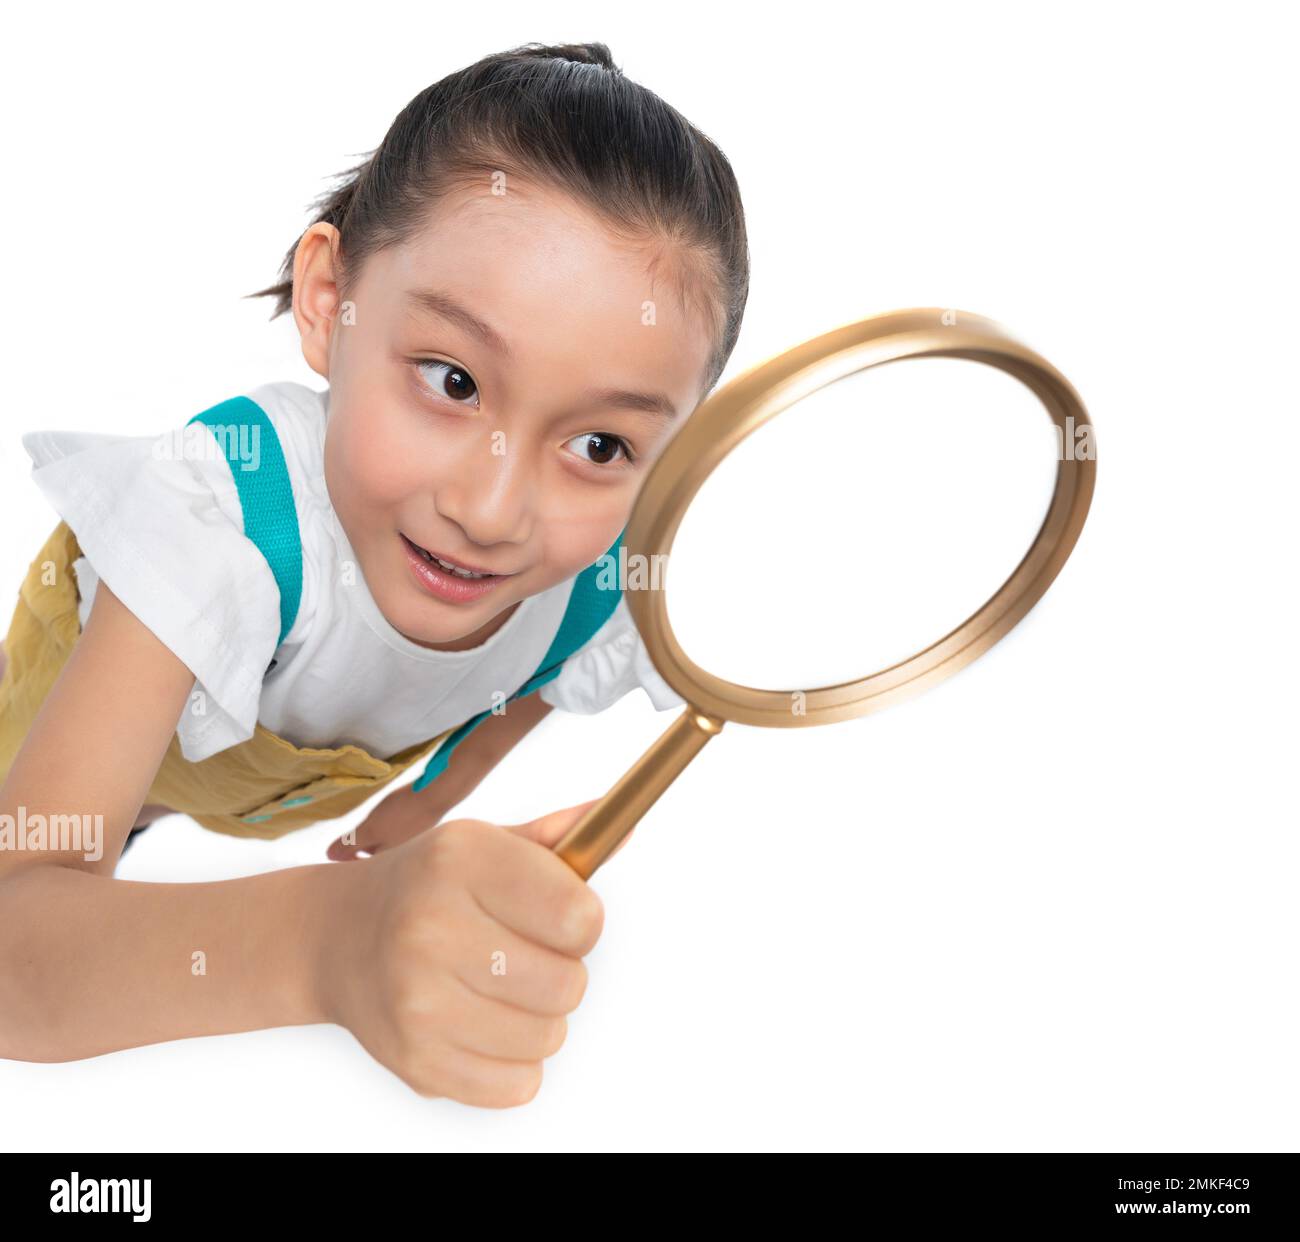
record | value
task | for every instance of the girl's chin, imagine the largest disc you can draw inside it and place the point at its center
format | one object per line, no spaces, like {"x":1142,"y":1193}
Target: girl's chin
{"x":478,"y":622}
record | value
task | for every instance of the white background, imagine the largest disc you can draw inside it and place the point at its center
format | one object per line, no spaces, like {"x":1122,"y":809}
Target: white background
{"x":1051,"y":904}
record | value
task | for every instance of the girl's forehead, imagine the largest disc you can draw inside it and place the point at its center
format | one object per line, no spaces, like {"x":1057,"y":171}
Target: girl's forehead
{"x":476,"y":228}
{"x":530,"y":266}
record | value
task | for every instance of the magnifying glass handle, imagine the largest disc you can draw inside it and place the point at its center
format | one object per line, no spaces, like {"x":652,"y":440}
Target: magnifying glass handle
{"x":598,"y":833}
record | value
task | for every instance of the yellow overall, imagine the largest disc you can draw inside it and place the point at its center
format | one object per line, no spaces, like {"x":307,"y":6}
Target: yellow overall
{"x":263,"y":787}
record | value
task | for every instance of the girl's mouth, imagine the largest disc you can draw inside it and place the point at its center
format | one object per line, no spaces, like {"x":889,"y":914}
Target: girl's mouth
{"x":444,"y":579}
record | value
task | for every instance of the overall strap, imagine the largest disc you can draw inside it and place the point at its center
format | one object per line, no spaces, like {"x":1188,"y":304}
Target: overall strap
{"x":252,"y":448}
{"x":591,"y":603}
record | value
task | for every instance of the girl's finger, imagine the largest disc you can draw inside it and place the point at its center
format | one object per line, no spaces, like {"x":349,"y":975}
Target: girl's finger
{"x":339,"y":852}
{"x":346,"y":847}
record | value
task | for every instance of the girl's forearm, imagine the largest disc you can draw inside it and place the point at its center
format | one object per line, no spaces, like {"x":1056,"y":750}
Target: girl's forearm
{"x":90,"y":964}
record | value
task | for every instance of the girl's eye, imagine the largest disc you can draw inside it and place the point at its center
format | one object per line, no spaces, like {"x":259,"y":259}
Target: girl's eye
{"x":601,"y":447}
{"x":444,"y":379}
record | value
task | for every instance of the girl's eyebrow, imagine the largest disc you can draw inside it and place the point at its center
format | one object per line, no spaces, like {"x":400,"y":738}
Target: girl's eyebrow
{"x":646,"y":402}
{"x":435,"y":302}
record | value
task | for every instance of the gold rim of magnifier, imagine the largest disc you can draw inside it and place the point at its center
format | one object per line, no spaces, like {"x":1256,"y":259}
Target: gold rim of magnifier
{"x":749,"y":401}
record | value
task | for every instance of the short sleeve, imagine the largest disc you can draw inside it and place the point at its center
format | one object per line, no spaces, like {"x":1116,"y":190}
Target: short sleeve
{"x":612,"y":663}
{"x":162,"y":525}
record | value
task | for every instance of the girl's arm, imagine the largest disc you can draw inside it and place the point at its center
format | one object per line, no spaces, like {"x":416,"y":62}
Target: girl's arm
{"x":481,"y":751}
{"x":405,"y":812}
{"x":89,"y":963}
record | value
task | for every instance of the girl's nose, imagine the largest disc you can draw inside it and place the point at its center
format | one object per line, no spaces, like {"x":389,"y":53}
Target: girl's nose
{"x":488,"y":494}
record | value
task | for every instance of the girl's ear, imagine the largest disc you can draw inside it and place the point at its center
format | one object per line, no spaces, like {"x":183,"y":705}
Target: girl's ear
{"x":316,"y":294}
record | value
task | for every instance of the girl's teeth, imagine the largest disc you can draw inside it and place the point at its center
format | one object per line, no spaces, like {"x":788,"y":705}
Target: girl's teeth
{"x":451,"y":569}
{"x":460,"y":573}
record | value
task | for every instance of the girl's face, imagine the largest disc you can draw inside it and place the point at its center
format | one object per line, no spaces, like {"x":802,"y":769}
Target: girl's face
{"x":499,"y":387}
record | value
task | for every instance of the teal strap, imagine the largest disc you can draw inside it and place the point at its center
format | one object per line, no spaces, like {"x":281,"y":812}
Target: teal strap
{"x":252,"y":449}
{"x":591,"y":604}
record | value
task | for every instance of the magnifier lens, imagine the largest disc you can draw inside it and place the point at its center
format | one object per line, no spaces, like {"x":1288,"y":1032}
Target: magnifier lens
{"x":863,"y":524}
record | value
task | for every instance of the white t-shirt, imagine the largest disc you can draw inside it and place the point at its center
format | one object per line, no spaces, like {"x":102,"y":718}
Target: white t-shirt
{"x":163,"y":526}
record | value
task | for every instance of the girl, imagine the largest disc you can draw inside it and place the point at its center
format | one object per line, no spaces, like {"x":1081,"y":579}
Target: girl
{"x":263,"y":616}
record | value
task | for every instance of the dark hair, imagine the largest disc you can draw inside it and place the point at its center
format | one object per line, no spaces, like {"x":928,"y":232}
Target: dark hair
{"x":564,"y":116}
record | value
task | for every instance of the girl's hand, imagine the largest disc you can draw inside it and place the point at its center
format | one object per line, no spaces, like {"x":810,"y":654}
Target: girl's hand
{"x":462,"y":954}
{"x":397,"y":818}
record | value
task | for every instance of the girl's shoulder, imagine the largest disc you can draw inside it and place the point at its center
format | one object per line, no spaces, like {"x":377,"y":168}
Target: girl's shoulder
{"x":611,"y":664}
{"x":299,"y":415}
{"x":297,"y":412}
{"x":160,"y":519}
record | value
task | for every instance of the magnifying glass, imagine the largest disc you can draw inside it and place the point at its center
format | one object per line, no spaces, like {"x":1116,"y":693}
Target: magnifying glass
{"x":965,"y":489}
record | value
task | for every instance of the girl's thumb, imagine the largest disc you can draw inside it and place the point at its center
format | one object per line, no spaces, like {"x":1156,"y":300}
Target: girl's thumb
{"x":549,"y":830}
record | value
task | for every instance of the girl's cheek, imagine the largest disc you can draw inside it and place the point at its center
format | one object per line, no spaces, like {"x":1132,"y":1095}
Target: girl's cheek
{"x":573,"y":545}
{"x":387,"y":474}
{"x":370,"y":452}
